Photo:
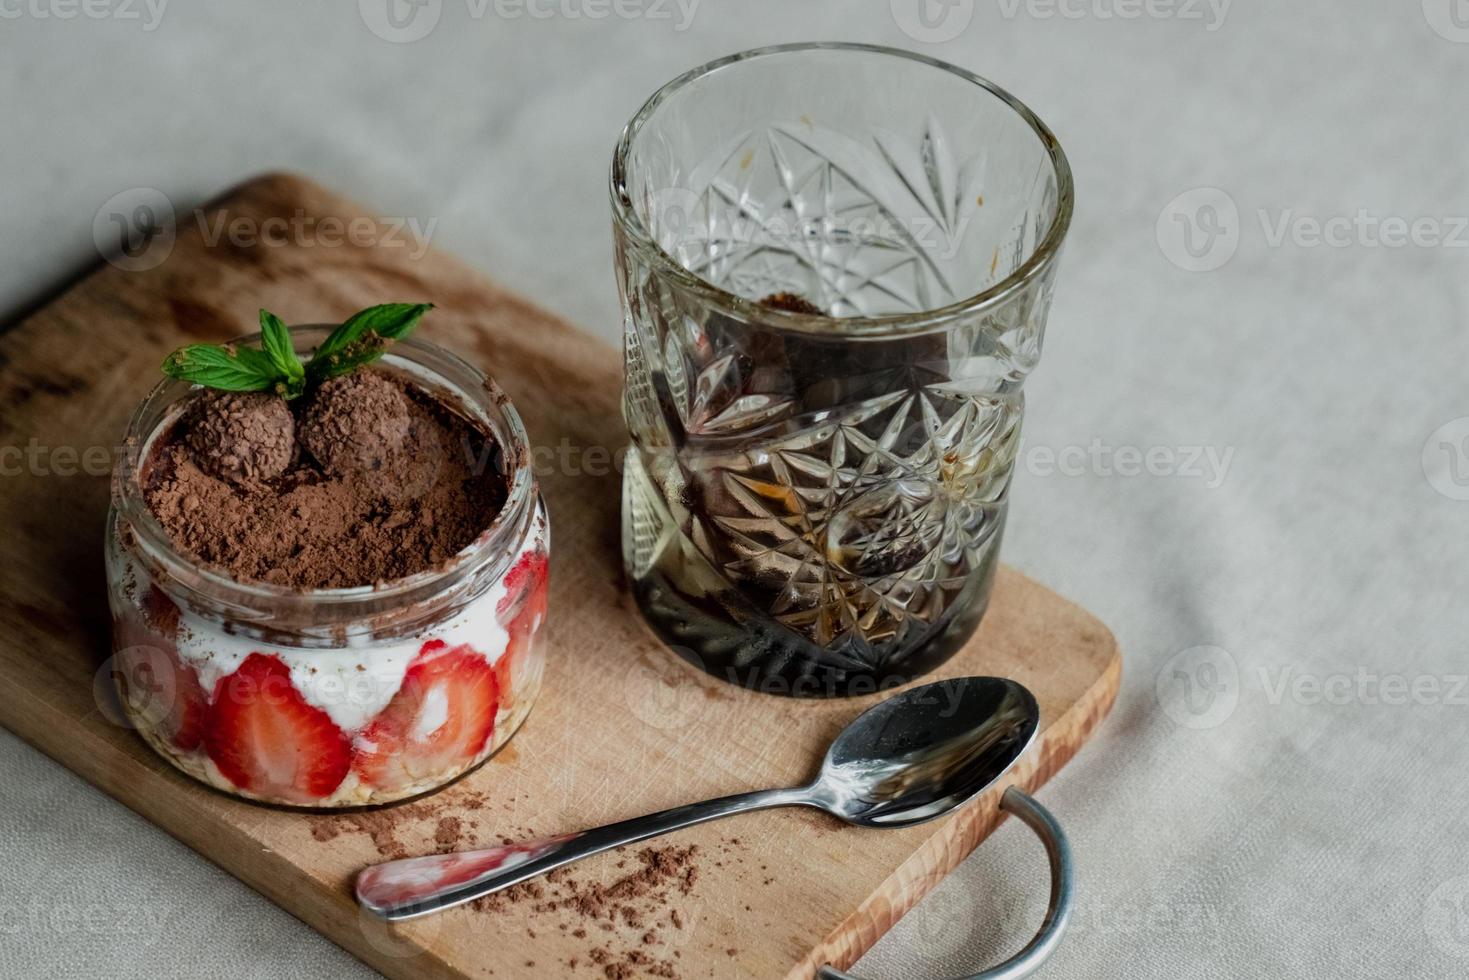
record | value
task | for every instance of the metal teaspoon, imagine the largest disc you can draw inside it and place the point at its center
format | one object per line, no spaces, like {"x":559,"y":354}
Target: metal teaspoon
{"x":909,"y":759}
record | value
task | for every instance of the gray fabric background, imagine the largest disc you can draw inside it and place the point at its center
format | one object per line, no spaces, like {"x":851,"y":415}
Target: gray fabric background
{"x":1231,"y":819}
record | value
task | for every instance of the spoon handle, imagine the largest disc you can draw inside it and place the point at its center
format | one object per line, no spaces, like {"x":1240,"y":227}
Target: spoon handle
{"x":416,"y":886}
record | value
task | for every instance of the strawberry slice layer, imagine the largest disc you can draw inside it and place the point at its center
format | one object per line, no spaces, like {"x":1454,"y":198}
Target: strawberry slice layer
{"x":440,"y":719}
{"x":505,"y":667}
{"x":159,"y":687}
{"x":521,"y":612}
{"x":164,"y":692}
{"x":526,"y":593}
{"x":268,"y":740}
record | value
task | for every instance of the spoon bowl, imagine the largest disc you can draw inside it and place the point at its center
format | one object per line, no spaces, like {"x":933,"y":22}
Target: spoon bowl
{"x":920,"y":754}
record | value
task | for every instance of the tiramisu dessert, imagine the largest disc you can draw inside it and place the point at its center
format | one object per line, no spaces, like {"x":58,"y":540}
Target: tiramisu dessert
{"x":327,"y":575}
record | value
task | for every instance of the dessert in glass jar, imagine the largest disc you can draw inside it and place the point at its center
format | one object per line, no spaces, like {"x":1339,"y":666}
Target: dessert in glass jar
{"x":327,"y":579}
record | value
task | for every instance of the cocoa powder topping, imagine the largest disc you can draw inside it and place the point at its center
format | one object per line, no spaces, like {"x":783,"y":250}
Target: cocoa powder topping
{"x":392,"y":482}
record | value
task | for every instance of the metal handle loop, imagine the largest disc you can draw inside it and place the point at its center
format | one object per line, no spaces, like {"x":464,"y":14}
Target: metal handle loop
{"x":1058,"y":912}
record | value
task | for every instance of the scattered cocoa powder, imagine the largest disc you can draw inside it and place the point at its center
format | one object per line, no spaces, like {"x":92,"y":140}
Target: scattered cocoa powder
{"x":628,"y":901}
{"x":415,"y":506}
{"x":633,"y":910}
{"x":388,"y":827}
{"x":526,"y":891}
{"x":447,"y":833}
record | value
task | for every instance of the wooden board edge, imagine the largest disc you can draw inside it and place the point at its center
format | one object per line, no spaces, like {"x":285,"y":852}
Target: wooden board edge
{"x":943,"y":852}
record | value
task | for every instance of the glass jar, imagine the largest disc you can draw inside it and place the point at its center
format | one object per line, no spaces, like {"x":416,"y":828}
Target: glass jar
{"x":835,"y":263}
{"x":332,"y":697}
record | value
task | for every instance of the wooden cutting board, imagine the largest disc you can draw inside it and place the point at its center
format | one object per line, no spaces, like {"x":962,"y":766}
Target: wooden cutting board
{"x":622,"y":727}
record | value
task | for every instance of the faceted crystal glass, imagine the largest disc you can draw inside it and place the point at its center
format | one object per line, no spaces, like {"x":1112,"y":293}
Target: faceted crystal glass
{"x":835,"y":264}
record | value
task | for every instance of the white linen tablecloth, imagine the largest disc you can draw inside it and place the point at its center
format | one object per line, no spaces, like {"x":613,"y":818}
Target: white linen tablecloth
{"x":1247,"y":447}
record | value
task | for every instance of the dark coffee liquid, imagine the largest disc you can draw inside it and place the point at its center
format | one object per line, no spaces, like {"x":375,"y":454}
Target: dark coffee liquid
{"x":727,"y":637}
{"x":819,"y":514}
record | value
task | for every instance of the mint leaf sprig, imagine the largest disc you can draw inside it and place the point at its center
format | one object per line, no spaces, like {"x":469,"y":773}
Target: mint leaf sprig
{"x":275,"y":340}
{"x":362,"y":339}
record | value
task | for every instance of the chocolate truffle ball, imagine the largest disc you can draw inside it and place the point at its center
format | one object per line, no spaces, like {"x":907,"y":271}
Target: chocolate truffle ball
{"x":244,"y":437}
{"x":355,"y":422}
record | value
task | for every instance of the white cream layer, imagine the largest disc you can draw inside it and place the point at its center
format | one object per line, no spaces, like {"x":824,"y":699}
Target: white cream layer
{"x":351,"y":684}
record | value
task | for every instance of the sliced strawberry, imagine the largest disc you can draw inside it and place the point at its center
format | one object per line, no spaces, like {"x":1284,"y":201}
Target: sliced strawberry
{"x":165,"y":692}
{"x":158,"y":686}
{"x":505,"y":670}
{"x":510,"y":663}
{"x":266,"y":739}
{"x":521,"y":612}
{"x":440,"y":719}
{"x":526,"y":593}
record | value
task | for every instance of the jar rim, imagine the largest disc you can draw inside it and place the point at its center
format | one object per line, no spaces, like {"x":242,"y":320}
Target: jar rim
{"x":881,"y":326}
{"x":473,"y":389}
